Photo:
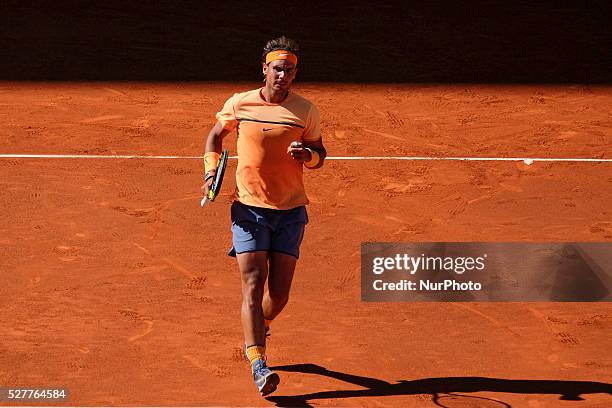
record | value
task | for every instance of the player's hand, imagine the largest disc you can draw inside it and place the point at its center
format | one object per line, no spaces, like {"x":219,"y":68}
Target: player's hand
{"x":298,"y":152}
{"x":208,"y":184}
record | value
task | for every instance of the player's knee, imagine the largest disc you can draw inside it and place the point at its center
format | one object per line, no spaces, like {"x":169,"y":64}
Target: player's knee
{"x":253,"y":277}
{"x":252,"y":292}
{"x":251,"y":302}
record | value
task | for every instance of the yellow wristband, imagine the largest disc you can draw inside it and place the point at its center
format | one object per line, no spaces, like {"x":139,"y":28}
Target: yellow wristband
{"x":314,"y":160}
{"x":211,"y":161}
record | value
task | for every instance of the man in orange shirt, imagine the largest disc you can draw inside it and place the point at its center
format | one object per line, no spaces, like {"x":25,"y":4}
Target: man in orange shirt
{"x":278,"y":134}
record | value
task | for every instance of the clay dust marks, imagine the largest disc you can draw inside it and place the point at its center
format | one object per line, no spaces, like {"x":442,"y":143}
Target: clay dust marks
{"x":387,"y":135}
{"x":134,"y":212}
{"x":135,"y":316}
{"x":143,"y":249}
{"x":393,"y":120}
{"x":457,"y":400}
{"x":194,"y":361}
{"x":148,"y":329}
{"x":603,"y":228}
{"x":115,"y":91}
{"x":491,"y":319}
{"x":347,"y":276}
{"x":217,"y":370}
{"x":103,"y":118}
{"x":177,"y":267}
{"x":558,"y":328}
{"x":148,"y":215}
{"x":195,"y":281}
{"x":67,"y":253}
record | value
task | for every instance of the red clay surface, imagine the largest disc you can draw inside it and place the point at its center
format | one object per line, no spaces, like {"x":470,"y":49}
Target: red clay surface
{"x":114,"y":283}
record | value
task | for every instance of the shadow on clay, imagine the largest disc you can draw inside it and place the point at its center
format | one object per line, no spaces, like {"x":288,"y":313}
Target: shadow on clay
{"x":443,"y":390}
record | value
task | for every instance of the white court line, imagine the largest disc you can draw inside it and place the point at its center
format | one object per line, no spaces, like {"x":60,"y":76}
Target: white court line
{"x":91,"y":156}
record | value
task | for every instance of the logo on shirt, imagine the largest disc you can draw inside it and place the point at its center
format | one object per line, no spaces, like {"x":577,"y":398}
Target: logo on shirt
{"x":266,"y":129}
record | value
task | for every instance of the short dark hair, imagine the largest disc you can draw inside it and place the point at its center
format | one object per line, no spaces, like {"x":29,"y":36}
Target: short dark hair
{"x":280,"y":43}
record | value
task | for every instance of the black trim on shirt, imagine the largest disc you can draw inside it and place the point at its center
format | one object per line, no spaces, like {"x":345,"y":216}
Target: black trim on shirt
{"x":268,"y":121}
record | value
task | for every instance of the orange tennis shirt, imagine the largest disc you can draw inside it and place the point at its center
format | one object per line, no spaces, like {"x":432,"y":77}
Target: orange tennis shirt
{"x":267,"y":176}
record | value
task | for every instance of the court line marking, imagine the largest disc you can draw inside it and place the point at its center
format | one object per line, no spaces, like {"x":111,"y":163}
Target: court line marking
{"x":411,"y":158}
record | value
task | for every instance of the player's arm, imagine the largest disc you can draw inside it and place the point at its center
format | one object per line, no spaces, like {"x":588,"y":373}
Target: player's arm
{"x":315,"y":148}
{"x":212,"y":150}
{"x":311,"y":153}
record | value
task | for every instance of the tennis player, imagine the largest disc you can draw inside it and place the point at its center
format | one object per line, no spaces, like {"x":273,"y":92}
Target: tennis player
{"x":278,"y":134}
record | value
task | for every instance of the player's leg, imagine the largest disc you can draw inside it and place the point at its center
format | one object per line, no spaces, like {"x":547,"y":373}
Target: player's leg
{"x":280,"y":276}
{"x":253,"y":273}
{"x":285,"y":244}
{"x":251,"y":243}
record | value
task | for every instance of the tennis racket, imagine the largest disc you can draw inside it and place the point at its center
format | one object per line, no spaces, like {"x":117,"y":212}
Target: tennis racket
{"x":217,"y":180}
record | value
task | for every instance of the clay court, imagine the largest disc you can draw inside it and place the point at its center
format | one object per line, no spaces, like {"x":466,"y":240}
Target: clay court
{"x":115,"y":282}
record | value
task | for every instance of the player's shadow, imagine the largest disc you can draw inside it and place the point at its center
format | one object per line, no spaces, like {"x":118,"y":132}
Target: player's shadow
{"x":441,"y":389}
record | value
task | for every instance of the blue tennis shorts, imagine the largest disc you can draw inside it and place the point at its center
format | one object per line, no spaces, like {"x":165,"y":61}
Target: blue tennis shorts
{"x":265,"y":229}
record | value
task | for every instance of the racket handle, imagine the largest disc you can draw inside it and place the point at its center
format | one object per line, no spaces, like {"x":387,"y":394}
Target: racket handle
{"x":204,"y":202}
